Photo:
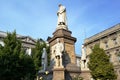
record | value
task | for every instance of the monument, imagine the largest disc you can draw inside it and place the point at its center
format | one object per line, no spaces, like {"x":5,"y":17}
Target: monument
{"x":85,"y":73}
{"x":62,"y":19}
{"x":58,"y":70}
{"x":43,"y":73}
{"x":62,"y":47}
{"x":44,"y":59}
{"x":58,"y":50}
{"x":84,"y":59}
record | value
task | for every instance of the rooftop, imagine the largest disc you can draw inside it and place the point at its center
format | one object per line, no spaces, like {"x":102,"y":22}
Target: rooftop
{"x":103,"y":33}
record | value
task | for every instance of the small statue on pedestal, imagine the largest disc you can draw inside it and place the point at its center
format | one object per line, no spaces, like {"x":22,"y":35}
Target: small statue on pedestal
{"x":44,"y":59}
{"x":83,"y":58}
{"x":59,"y":48}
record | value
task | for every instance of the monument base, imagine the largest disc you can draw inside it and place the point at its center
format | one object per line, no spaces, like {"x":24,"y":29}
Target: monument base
{"x":62,"y":27}
{"x":58,"y":74}
{"x":86,"y":75}
{"x":71,"y":71}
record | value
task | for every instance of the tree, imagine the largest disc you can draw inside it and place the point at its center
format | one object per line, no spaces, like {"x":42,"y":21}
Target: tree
{"x":27,"y":67}
{"x":77,"y":78}
{"x":100,"y":66}
{"x":14,"y":63}
{"x":37,"y":53}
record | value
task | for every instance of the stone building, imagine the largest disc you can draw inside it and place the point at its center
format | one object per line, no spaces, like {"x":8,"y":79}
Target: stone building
{"x":27,"y":42}
{"x":109,"y":40}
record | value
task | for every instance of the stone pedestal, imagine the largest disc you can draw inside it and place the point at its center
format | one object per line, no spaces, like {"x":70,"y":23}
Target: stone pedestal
{"x":68,"y":57}
{"x":68,"y":41}
{"x":69,"y":68}
{"x":86,"y":75}
{"x":59,"y":74}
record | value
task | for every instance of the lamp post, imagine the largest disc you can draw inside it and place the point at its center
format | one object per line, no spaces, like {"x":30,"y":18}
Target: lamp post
{"x":41,"y":78}
{"x":46,"y":73}
{"x":37,"y":78}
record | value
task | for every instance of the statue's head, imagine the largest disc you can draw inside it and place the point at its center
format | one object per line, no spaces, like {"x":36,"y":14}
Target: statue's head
{"x":44,"y":49}
{"x":60,"y":5}
{"x":58,"y":40}
{"x":82,"y":46}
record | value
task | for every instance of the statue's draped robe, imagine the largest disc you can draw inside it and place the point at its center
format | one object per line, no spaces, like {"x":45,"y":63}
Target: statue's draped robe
{"x":62,"y":15}
{"x":58,"y":54}
{"x":58,"y":49}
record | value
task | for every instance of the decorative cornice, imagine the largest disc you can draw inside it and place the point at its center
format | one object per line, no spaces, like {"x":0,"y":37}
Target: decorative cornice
{"x":62,"y":33}
{"x":103,"y":34}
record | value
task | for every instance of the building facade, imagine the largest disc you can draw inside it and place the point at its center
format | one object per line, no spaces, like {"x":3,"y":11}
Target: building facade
{"x":109,"y":40}
{"x":27,"y":42}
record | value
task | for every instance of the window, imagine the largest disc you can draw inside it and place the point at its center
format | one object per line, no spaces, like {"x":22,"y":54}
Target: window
{"x":115,"y":41}
{"x":106,"y":44}
{"x":28,"y":51}
{"x":91,"y":47}
{"x":108,"y":53}
{"x":115,"y":70}
{"x":118,"y":54}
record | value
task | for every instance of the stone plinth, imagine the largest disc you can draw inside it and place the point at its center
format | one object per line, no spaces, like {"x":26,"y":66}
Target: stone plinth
{"x":85,"y":75}
{"x":62,"y":27}
{"x":71,"y":71}
{"x":58,"y":74}
{"x":69,"y":58}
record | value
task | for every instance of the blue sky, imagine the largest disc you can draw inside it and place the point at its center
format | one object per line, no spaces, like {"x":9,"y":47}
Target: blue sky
{"x":38,"y":19}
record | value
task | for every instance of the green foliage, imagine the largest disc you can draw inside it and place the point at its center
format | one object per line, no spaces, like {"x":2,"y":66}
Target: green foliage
{"x":100,"y":66}
{"x":77,"y":78}
{"x":37,"y":53}
{"x":14,"y":63}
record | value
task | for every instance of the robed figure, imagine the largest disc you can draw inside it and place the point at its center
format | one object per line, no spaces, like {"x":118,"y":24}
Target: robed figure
{"x":44,"y":59}
{"x":62,"y":19}
{"x":59,"y":48}
{"x":83,"y":57}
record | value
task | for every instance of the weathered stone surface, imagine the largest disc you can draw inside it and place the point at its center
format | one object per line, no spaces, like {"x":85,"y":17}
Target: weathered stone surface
{"x":69,"y":56}
{"x":68,"y":41}
{"x":69,"y":68}
{"x":59,"y":74}
{"x":85,"y":75}
{"x":109,"y":40}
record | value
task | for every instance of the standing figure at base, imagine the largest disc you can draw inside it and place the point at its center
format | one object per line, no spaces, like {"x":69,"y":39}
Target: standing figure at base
{"x":83,"y":57}
{"x":59,"y":48}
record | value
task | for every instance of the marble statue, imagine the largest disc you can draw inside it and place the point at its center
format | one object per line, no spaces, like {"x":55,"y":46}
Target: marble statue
{"x":59,"y":48}
{"x":44,"y":59}
{"x":83,"y":53}
{"x":83,"y":57}
{"x":62,"y":19}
